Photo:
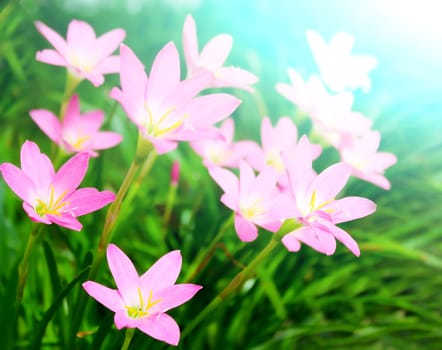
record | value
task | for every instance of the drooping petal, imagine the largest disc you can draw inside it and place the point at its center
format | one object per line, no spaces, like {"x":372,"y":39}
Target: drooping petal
{"x":163,"y":273}
{"x":161,"y":327}
{"x":88,"y":199}
{"x":48,"y":123}
{"x":71,"y":173}
{"x":110,"y":298}
{"x":176,"y":295}
{"x":36,"y":165}
{"x":246,"y":230}
{"x":124,"y":273}
{"x":67,"y":221}
{"x":344,"y":238}
{"x":18,"y":181}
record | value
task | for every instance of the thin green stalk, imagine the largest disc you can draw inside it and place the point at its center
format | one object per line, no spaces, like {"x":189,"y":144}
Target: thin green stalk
{"x":23,"y":268}
{"x":240,"y":277}
{"x":169,"y":206}
{"x":71,"y":84}
{"x":144,"y":148}
{"x":205,"y":255}
{"x":128,"y":338}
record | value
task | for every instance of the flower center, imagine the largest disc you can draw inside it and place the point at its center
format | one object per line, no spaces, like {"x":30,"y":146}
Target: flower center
{"x":252,"y":211}
{"x":163,"y":125}
{"x":274,"y":160}
{"x":313,"y":206}
{"x":141,"y":309}
{"x":53,"y":207}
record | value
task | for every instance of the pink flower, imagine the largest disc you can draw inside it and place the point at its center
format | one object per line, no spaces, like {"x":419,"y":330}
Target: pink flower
{"x":163,"y":107}
{"x":77,"y":132}
{"x":339,"y":69}
{"x":175,"y":173}
{"x":85,"y":55}
{"x":282,"y":138}
{"x":142,"y":301}
{"x":49,"y":196}
{"x":315,"y":206}
{"x":224,"y":152}
{"x":365,"y":160}
{"x":212,"y":58}
{"x":256,"y":201}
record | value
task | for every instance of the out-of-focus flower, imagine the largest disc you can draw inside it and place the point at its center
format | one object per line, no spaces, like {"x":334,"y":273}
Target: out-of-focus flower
{"x":224,"y":152}
{"x":175,"y":173}
{"x":142,"y":301}
{"x":77,"y":132}
{"x":212,"y":59}
{"x":315,"y":205}
{"x":283,"y":138}
{"x":163,"y":107}
{"x":256,"y":201}
{"x":339,"y":69}
{"x":85,"y":55}
{"x":366,"y":162}
{"x":49,"y":196}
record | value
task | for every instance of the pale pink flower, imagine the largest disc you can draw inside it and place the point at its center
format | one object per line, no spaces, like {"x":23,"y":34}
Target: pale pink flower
{"x":283,"y":138}
{"x":49,"y":196}
{"x":163,"y":107}
{"x":85,"y":55}
{"x":212,"y":58}
{"x":315,"y":206}
{"x":256,"y":201}
{"x":142,"y":301}
{"x":77,"y":132}
{"x":366,"y":162}
{"x":224,"y":152}
{"x":339,"y":69}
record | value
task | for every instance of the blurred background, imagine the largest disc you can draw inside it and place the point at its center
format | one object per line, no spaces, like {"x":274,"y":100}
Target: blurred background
{"x":389,"y":298}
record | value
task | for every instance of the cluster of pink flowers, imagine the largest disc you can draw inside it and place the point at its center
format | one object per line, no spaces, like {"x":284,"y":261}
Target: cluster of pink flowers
{"x":275,"y":182}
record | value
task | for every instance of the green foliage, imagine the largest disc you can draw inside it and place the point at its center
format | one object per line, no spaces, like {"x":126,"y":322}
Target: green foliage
{"x":389,"y":298}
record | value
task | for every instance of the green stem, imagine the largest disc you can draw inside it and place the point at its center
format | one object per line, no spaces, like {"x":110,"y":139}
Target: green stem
{"x":169,"y":205}
{"x":71,"y":84}
{"x":144,"y":148}
{"x":128,"y":338}
{"x":23,"y":268}
{"x":204,"y":256}
{"x":240,"y":277}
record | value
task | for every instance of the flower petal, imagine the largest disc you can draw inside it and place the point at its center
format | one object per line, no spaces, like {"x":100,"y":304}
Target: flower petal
{"x":344,"y":238}
{"x":67,"y":221}
{"x":18,"y":181}
{"x":215,"y":52}
{"x":110,"y":298}
{"x":163,"y":273}
{"x":176,"y":295}
{"x":246,"y":230}
{"x":105,"y":139}
{"x":53,"y":37}
{"x":86,"y":200}
{"x":36,"y":165}
{"x":124,"y":273}
{"x":80,"y":37}
{"x":350,"y":208}
{"x":228,"y":183}
{"x":51,"y":57}
{"x":161,"y":327}
{"x":108,"y":43}
{"x":48,"y":123}
{"x":190,"y":44}
{"x":70,"y":175}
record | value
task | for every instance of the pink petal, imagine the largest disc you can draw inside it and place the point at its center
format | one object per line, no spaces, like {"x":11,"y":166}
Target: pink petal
{"x":110,"y":298}
{"x":110,"y":64}
{"x":48,"y":123}
{"x":36,"y":165}
{"x":161,"y":327}
{"x":344,"y":238}
{"x":350,"y":208}
{"x":163,"y":273}
{"x":80,"y":36}
{"x":330,"y":182}
{"x":210,"y":109}
{"x":246,"y":179}
{"x":122,"y":319}
{"x":216,"y":51}
{"x":86,"y":200}
{"x":176,"y":295}
{"x":164,"y":74}
{"x":291,"y":243}
{"x":71,"y":173}
{"x":51,"y":57}
{"x":124,"y":273}
{"x":228,"y":183}
{"x":94,"y":77}
{"x":190,"y":43}
{"x":53,"y":37}
{"x":105,"y":139}
{"x":247,"y":231}
{"x":34,"y":216}
{"x":234,"y":77}
{"x":108,"y":43}
{"x":18,"y":181}
{"x":67,"y":221}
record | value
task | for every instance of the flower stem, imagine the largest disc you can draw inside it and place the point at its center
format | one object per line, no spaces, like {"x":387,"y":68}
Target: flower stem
{"x":71,"y":84}
{"x":23,"y":268}
{"x":205,"y":255}
{"x":240,"y":277}
{"x":128,"y":338}
{"x":144,"y":148}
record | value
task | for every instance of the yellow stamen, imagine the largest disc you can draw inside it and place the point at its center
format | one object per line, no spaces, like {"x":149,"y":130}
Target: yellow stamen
{"x":51,"y":208}
{"x":141,"y":310}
